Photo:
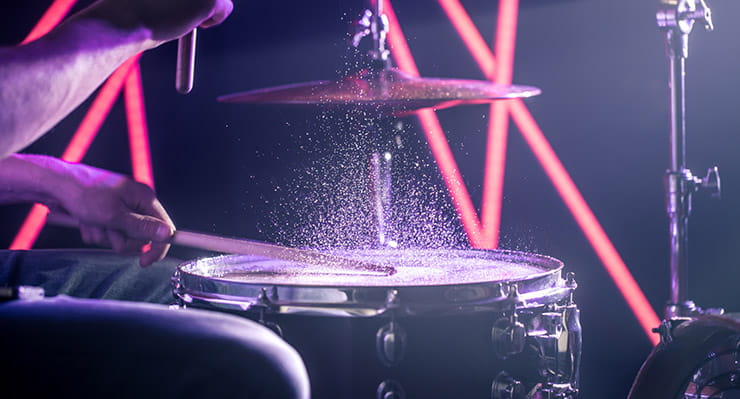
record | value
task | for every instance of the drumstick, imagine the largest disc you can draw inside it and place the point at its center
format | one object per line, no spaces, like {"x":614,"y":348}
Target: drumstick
{"x":242,"y":246}
{"x":274,"y":251}
{"x":185,"y":68}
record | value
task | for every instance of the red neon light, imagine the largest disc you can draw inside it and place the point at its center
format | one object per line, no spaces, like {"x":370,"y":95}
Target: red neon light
{"x":564,"y":185}
{"x":76,"y":149}
{"x":451,"y":175}
{"x":398,"y":44}
{"x":51,"y":18}
{"x":470,"y":35}
{"x":90,"y":125}
{"x":498,"y":127}
{"x":141,"y":160}
{"x":586,"y":220}
{"x":436,"y":137}
{"x":493,"y":177}
{"x":31,"y":228}
{"x":508,"y":15}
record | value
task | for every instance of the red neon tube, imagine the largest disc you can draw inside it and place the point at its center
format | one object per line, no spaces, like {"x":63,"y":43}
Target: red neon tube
{"x":141,"y":160}
{"x":469,"y":33}
{"x":498,"y":127}
{"x":493,"y":177}
{"x":51,"y":18}
{"x":31,"y":227}
{"x":97,"y":113}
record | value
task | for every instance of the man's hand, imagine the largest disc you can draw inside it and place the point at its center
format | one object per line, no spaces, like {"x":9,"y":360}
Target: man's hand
{"x":116,"y":211}
{"x":111,"y":209}
{"x":164,"y":19}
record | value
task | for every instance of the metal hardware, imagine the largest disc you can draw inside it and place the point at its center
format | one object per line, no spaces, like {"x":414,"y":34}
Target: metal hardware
{"x":374,"y":23}
{"x":263,"y":304}
{"x":676,"y":18}
{"x":390,"y":389}
{"x":508,"y":336}
{"x":504,"y":386}
{"x":390,"y":343}
{"x":570,"y":282}
{"x":552,"y":334}
{"x":21,"y":292}
{"x":553,"y":391}
{"x":683,"y":14}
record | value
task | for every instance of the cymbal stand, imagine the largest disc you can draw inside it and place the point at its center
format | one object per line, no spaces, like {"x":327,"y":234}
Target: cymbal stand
{"x":676,"y":18}
{"x":374,"y":24}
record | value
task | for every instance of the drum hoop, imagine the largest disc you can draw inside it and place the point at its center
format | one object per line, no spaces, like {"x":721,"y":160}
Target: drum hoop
{"x":352,"y":300}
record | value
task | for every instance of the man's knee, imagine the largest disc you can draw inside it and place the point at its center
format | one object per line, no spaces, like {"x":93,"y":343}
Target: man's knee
{"x":136,"y":346}
{"x":249,"y":354}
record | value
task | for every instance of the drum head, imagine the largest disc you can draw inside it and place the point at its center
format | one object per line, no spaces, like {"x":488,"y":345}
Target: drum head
{"x":426,"y":280}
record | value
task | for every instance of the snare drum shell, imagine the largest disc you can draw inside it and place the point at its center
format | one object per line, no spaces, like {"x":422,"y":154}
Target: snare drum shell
{"x":444,"y":356}
{"x":447,"y":350}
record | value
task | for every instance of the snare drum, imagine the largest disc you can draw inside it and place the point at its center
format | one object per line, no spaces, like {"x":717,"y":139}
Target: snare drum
{"x":449,"y":323}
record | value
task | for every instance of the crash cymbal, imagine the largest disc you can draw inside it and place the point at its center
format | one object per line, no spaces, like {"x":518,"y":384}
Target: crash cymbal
{"x":387,"y":90}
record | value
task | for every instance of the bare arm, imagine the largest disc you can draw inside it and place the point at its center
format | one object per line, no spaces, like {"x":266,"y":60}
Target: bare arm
{"x":111,"y":209}
{"x":43,"y":81}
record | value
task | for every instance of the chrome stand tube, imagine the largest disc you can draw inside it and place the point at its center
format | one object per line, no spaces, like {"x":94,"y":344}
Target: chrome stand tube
{"x":676,"y":18}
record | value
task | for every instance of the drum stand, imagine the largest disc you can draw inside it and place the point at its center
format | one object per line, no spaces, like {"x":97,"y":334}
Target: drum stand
{"x":676,"y":18}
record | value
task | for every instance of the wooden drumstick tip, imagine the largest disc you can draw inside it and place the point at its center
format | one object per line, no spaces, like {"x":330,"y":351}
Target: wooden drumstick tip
{"x":185,"y":69}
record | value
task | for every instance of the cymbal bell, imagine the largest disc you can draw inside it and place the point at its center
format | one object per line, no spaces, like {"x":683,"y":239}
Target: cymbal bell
{"x":388,"y":90}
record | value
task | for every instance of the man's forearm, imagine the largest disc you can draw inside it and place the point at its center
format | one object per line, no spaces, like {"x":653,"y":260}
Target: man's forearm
{"x":41,"y":82}
{"x":30,"y":178}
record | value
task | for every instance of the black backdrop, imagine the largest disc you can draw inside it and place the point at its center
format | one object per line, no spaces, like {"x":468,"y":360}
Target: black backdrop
{"x":604,"y":108}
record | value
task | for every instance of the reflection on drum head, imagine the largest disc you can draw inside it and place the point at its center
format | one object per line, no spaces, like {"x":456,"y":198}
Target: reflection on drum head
{"x":414,"y":268}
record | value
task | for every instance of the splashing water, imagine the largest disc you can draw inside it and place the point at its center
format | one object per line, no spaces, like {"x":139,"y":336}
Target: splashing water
{"x":328,"y":200}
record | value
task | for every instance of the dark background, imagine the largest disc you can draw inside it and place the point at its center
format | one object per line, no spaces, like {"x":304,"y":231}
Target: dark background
{"x":231,"y":169}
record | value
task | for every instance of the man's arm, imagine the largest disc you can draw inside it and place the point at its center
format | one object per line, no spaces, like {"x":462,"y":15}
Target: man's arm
{"x":111,"y":209}
{"x":43,"y":81}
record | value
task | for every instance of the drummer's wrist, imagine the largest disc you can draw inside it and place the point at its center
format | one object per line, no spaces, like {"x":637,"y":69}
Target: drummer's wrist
{"x":31,"y":178}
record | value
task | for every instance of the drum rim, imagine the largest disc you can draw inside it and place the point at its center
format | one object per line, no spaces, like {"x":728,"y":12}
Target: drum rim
{"x":536,"y":290}
{"x":552,"y":264}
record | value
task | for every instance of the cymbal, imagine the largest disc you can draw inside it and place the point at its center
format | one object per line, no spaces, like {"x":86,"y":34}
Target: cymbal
{"x":387,"y":90}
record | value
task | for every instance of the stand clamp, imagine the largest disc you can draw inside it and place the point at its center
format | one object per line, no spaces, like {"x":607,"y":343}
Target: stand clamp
{"x":683,"y":183}
{"x":374,"y":23}
{"x":682,"y":14}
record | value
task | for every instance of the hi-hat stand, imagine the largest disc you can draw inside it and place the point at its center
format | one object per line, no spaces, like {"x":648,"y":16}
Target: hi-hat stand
{"x":677,"y":18}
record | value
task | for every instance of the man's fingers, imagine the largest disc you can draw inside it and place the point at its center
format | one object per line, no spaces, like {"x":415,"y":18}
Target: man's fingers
{"x":124,"y":245}
{"x":222,"y":12}
{"x":144,"y":205}
{"x":93,"y":235}
{"x":144,"y":227}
